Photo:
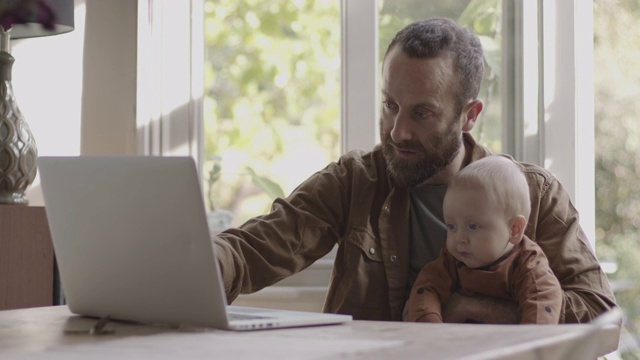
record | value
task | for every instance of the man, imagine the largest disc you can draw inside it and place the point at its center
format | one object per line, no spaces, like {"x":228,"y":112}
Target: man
{"x":384,"y":208}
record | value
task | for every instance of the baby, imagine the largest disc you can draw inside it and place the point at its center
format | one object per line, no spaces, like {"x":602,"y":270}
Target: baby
{"x":486,"y":209}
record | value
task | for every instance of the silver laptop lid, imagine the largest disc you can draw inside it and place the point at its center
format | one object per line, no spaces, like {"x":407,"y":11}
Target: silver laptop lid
{"x":131,"y":238}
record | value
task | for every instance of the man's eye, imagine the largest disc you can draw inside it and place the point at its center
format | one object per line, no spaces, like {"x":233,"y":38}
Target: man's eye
{"x":451,"y":227}
{"x":474,"y":227}
{"x":388,"y":105}
{"x":421,"y":114}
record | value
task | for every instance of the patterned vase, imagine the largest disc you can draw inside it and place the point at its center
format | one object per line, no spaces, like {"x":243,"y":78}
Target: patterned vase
{"x":18,"y":151}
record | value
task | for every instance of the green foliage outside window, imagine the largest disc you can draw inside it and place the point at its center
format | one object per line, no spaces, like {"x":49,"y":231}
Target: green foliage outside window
{"x":272,"y":91}
{"x":617,"y":152}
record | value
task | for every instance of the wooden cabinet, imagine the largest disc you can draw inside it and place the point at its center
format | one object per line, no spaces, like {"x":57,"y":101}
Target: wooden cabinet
{"x":26,"y":258}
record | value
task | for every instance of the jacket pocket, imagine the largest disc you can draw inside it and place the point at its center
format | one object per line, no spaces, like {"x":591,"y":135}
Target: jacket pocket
{"x":359,"y":280}
{"x":363,"y":244}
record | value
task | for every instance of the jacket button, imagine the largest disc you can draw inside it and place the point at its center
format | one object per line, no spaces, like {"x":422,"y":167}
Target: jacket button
{"x":393,"y":258}
{"x":372,"y":251}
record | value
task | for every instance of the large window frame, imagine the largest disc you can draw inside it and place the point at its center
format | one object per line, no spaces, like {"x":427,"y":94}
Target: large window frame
{"x":549,"y":81}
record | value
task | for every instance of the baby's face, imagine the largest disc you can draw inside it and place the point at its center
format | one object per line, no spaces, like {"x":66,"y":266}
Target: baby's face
{"x":478,"y":232}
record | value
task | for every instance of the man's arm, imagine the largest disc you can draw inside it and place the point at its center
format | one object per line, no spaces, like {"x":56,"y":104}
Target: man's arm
{"x":267,"y":249}
{"x":554,"y":225}
{"x":536,"y":288}
{"x":296,"y":232}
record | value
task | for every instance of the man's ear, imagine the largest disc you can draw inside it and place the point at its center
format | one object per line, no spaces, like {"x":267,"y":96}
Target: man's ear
{"x":470,"y":114}
{"x":516,"y":227}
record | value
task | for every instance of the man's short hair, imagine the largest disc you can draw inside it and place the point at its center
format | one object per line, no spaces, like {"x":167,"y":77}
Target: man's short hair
{"x":431,"y":37}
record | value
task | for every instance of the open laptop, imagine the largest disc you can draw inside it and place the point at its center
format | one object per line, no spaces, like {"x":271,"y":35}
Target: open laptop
{"x":132,"y":242}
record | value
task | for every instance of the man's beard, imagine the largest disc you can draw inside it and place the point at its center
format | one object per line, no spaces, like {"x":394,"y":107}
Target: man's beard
{"x":429,"y":161}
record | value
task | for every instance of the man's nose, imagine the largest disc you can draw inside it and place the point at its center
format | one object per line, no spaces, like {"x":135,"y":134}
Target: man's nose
{"x":401,"y":130}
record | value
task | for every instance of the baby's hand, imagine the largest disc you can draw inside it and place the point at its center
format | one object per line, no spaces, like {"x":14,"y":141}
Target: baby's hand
{"x":480,"y":309}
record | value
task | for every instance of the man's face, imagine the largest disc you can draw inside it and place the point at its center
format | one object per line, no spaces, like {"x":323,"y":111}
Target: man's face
{"x":419,"y":130}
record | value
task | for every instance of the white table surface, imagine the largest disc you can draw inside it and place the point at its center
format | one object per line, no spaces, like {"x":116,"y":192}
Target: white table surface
{"x":52,"y":333}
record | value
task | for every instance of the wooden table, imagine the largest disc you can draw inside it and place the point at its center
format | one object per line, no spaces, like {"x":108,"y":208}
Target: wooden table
{"x":54,"y":333}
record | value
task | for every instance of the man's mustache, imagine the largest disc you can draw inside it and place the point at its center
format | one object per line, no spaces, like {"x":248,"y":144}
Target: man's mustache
{"x":406,"y":145}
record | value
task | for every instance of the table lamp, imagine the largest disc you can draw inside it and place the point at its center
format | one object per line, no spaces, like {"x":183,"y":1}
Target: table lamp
{"x":18,"y":153}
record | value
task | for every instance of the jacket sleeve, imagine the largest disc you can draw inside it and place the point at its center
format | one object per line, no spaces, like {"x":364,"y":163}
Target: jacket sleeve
{"x":297,"y":231}
{"x":432,"y":288}
{"x":554,"y":225}
{"x":537,"y":290}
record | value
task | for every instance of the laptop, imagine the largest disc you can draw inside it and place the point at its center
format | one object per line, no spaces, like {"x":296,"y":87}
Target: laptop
{"x":132,"y":243}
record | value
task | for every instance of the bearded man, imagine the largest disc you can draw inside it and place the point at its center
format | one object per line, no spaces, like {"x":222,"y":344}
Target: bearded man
{"x":383,"y":208}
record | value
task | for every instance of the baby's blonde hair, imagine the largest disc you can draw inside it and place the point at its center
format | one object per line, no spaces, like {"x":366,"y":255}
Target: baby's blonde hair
{"x":500,"y":177}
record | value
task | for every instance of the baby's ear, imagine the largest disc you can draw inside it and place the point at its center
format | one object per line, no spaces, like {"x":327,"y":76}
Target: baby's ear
{"x":516,"y":226}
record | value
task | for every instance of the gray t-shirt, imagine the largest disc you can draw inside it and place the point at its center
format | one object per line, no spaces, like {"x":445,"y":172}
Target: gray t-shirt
{"x":428,"y":231}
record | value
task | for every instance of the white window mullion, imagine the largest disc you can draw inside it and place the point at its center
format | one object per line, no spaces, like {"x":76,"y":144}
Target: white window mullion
{"x":359,"y":74}
{"x":196,"y":101}
{"x":568,"y":102}
{"x":170,"y":84}
{"x":585,"y":118}
{"x":520,"y":81}
{"x":548,"y":93}
{"x":148,"y":80}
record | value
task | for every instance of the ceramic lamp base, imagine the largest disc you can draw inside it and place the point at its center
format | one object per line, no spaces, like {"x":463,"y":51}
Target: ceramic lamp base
{"x":18,"y":152}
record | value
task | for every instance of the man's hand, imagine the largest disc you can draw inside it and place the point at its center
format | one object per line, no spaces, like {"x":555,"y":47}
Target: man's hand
{"x":480,"y":309}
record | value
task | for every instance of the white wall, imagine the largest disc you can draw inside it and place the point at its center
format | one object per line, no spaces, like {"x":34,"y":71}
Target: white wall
{"x":77,"y":90}
{"x":109,"y":78}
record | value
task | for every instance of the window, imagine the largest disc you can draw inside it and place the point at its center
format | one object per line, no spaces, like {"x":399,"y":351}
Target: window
{"x":272,"y":99}
{"x":272,"y":111}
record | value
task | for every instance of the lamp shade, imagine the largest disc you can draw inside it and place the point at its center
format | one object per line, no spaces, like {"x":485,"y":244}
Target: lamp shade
{"x":64,"y":22}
